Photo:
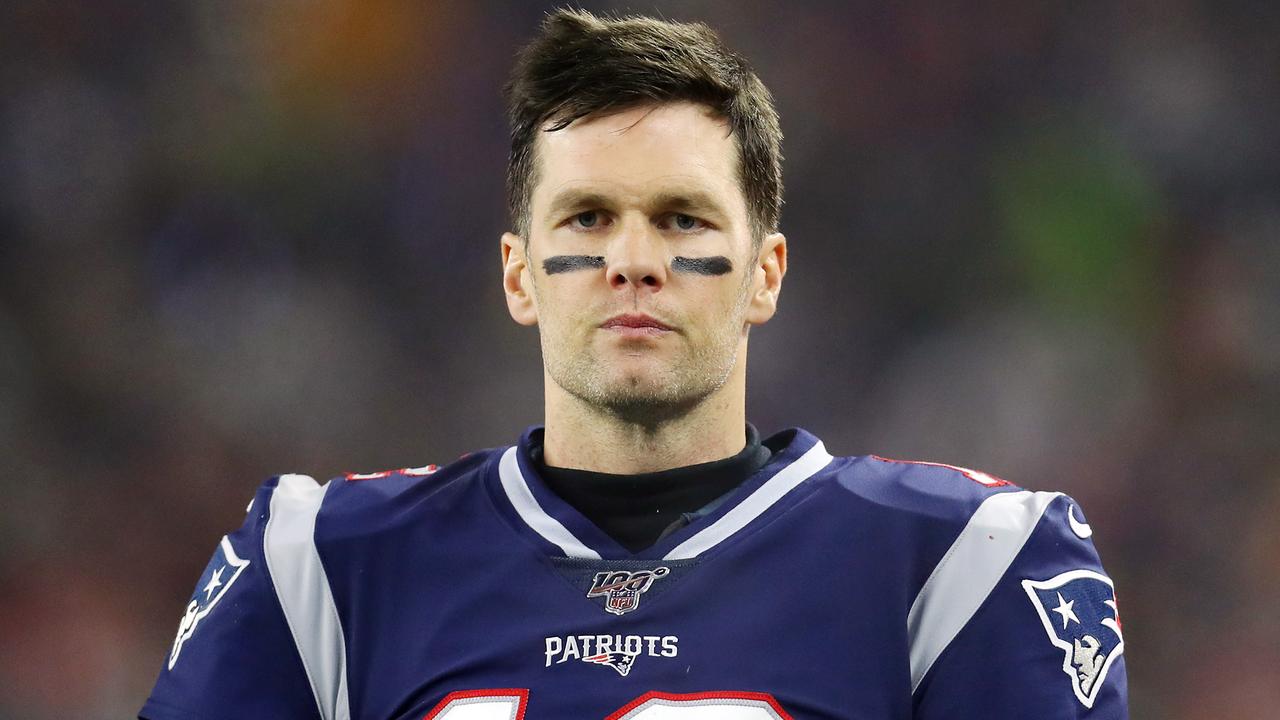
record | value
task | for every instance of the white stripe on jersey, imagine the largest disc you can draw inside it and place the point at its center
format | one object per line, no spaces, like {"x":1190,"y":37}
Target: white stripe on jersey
{"x":968,"y":572}
{"x":751,"y":508}
{"x":303,"y":589}
{"x":532,"y":513}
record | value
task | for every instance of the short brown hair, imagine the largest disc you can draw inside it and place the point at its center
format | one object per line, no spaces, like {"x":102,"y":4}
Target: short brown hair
{"x":581,"y":64}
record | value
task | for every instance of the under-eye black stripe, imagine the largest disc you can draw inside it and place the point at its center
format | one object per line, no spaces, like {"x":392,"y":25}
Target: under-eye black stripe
{"x":569,"y":263}
{"x":715,"y":265}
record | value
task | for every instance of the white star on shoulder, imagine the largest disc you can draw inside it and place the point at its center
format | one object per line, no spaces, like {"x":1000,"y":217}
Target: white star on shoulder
{"x":1064,"y":609}
{"x":218,"y":580}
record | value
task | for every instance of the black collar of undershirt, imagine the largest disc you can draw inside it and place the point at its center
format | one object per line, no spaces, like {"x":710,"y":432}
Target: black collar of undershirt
{"x":637,"y":510}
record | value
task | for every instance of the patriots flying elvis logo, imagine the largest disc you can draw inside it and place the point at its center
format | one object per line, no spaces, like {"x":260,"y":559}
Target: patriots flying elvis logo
{"x":218,"y":576}
{"x":620,"y":661}
{"x":1078,"y":611}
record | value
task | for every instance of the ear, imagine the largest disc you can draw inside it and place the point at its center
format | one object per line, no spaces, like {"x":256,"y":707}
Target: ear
{"x":771,"y":266}
{"x":517,"y":283}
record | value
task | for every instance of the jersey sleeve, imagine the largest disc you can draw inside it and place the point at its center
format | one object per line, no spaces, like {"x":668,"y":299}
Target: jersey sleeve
{"x":1019,"y":619}
{"x":234,"y":655}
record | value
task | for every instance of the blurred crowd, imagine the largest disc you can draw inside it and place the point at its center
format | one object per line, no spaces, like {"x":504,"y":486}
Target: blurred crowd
{"x":242,"y":238}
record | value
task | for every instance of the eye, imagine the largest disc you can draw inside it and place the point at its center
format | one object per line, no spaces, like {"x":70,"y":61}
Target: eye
{"x":683,"y":223}
{"x":587,"y":219}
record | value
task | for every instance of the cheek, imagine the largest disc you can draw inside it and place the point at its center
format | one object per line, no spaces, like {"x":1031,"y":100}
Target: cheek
{"x":731,"y":294}
{"x":561,"y":304}
{"x":718,"y":309}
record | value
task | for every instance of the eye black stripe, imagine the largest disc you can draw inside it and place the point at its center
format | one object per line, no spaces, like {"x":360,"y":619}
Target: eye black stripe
{"x":569,"y":263}
{"x":715,"y":265}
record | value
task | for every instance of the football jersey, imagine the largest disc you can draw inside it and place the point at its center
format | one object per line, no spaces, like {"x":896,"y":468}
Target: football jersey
{"x":822,"y":587}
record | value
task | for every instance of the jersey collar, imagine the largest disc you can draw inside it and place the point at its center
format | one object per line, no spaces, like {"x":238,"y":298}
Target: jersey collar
{"x":798,"y":455}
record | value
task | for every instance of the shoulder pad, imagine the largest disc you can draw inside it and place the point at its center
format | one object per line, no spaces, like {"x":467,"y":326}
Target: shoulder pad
{"x":938,"y":490}
{"x":409,"y":472}
{"x":977,"y":476}
{"x":369,"y":492}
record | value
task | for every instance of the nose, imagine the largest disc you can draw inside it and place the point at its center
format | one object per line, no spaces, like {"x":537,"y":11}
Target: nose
{"x":637,"y":258}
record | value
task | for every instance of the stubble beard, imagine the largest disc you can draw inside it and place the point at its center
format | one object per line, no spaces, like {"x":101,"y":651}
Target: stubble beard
{"x":651,"y":396}
{"x":648,"y":396}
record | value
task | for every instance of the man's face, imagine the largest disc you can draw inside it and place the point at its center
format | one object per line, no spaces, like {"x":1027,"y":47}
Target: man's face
{"x":640,"y":269}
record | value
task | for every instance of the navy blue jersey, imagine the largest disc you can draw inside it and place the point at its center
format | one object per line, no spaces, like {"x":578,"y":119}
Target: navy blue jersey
{"x":823,"y":587}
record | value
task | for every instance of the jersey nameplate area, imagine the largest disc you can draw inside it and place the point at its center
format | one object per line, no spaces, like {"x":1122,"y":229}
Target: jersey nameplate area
{"x":219,"y":575}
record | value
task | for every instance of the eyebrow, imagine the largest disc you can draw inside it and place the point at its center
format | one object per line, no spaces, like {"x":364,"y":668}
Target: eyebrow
{"x":577,"y":200}
{"x":690,"y":201}
{"x":694,"y":201}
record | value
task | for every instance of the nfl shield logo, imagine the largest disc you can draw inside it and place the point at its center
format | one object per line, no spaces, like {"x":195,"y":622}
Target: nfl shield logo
{"x":621,"y":589}
{"x":621,"y":601}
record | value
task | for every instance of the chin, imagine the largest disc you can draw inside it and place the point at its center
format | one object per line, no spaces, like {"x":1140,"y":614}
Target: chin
{"x":655,"y":395}
{"x":627,"y":386}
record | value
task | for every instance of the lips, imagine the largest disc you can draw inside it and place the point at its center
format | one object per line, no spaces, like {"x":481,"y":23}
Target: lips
{"x":634,"y":322}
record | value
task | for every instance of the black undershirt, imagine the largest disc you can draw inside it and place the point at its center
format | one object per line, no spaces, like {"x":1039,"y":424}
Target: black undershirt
{"x":638,"y":510}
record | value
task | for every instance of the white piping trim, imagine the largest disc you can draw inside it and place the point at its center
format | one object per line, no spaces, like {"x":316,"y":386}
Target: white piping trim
{"x":749,"y":509}
{"x":303,"y":589}
{"x":969,"y":571}
{"x":533,"y":514}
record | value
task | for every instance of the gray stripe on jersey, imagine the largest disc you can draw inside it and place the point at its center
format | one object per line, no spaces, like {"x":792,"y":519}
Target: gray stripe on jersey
{"x":531,"y":512}
{"x":303,"y":590}
{"x":968,"y":572}
{"x":749,"y":509}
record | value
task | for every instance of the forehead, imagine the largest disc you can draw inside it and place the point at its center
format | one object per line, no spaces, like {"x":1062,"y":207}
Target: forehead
{"x":639,"y":153}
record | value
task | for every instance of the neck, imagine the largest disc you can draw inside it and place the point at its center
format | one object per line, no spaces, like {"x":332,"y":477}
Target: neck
{"x":582,"y":436}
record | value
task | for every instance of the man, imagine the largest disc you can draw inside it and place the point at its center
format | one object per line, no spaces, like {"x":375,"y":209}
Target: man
{"x":645,"y":554}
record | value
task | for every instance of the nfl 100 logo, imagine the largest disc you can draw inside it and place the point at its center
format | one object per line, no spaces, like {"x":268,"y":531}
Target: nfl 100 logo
{"x":622,"y":589}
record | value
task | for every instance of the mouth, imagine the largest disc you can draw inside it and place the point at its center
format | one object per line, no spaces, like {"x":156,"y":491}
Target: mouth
{"x":635,"y":325}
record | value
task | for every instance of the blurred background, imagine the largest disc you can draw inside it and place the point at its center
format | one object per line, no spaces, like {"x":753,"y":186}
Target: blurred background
{"x":242,"y":238}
